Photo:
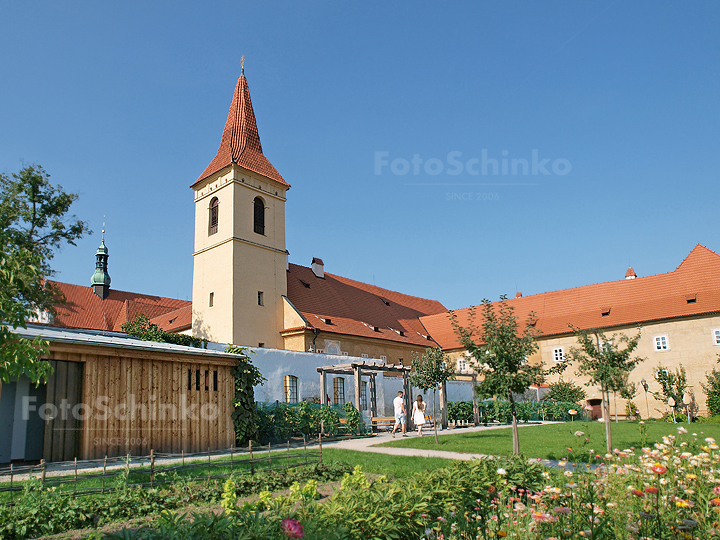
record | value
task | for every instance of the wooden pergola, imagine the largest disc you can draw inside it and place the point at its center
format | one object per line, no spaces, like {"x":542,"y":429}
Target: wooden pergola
{"x":357,"y":370}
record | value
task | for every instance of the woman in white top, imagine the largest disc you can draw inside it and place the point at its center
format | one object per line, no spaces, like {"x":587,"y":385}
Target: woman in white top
{"x":418,"y":414}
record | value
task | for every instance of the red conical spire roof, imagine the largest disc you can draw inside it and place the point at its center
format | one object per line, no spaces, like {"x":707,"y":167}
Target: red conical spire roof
{"x":240,"y":142}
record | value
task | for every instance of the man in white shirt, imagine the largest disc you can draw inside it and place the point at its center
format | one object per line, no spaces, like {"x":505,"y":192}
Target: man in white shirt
{"x":399,"y":404}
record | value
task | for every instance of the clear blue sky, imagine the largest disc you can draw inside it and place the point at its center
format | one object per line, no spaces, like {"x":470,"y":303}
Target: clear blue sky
{"x":124,"y":103}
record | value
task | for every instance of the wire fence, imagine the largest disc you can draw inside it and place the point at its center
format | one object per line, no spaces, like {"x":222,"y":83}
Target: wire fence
{"x":99,"y":476}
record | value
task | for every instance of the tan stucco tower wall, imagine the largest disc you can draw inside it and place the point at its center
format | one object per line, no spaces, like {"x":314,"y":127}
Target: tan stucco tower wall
{"x":243,"y":271}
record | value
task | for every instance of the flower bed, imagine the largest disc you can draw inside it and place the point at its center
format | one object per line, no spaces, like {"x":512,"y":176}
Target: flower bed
{"x":670,"y":490}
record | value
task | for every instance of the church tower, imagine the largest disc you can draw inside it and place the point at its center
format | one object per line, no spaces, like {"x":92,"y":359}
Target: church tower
{"x":240,"y":260}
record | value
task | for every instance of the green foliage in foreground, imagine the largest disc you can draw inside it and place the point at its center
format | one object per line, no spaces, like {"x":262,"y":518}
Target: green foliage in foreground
{"x":550,"y":441}
{"x":364,"y":509}
{"x":663,"y":493}
{"x":43,"y":511}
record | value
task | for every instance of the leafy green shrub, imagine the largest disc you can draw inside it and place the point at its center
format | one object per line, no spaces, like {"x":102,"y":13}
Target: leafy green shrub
{"x":460,"y":411}
{"x":353,"y":417}
{"x":280,"y":421}
{"x":712,"y":391}
{"x":566,"y":391}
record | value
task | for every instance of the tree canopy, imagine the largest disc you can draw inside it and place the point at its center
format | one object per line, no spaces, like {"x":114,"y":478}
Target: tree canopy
{"x":33,"y":225}
{"x":500,"y":353}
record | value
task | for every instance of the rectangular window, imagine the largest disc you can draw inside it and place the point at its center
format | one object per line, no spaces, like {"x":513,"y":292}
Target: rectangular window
{"x":215,"y":381}
{"x":339,"y":391}
{"x":290,"y":383}
{"x":661,"y":343}
{"x":363,"y":395}
{"x":716,"y":337}
{"x":363,"y":355}
{"x":462,"y":364}
{"x":383,"y":358}
{"x":261,"y":345}
{"x":260,"y":299}
{"x":211,"y":299}
{"x":558,"y":354}
{"x":207,"y":380}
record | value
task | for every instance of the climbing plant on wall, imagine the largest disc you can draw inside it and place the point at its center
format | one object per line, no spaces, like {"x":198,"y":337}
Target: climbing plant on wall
{"x":247,"y":376}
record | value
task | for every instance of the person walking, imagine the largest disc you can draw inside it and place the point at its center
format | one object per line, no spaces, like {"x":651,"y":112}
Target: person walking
{"x":418,"y":414}
{"x":399,"y":405}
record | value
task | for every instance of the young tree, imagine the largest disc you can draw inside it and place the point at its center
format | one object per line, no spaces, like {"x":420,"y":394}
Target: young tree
{"x":431,"y":372}
{"x":672,"y":385}
{"x":33,"y":226}
{"x":607,"y":363}
{"x":712,"y":391}
{"x":500,"y":354}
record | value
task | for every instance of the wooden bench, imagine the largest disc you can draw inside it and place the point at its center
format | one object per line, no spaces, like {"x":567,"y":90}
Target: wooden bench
{"x":382,"y":422}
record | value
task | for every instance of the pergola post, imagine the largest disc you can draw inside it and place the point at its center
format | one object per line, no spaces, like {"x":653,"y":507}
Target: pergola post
{"x":443,"y":406}
{"x":476,"y":409}
{"x":408,"y":402}
{"x":358,"y":374}
{"x":373,"y":396}
{"x":323,"y":388}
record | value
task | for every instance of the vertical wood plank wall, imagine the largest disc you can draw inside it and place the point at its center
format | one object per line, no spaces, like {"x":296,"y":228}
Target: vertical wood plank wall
{"x":112,"y":384}
{"x":63,"y":430}
{"x":149,"y":404}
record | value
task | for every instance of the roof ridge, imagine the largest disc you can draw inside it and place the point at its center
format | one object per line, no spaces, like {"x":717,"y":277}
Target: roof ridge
{"x":374,"y":286}
{"x":694,"y":253}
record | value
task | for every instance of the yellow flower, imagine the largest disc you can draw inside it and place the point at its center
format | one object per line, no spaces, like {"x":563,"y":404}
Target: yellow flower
{"x":681,"y":504}
{"x":691,"y":476}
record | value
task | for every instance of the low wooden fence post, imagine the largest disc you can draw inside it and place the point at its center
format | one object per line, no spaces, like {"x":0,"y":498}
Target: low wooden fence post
{"x":252,"y":462}
{"x":320,"y":442}
{"x":269,"y":457}
{"x":127,"y":470}
{"x":104,"y":471}
{"x":208,"y":464}
{"x":152,"y":468}
{"x":11,"y":484}
{"x":288,"y":454}
{"x":43,"y":469}
{"x":75,"y":486}
{"x":305,"y":448}
{"x":231,"y":460}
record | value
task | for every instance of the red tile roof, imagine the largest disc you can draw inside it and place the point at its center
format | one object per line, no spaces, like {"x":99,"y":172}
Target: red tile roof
{"x":84,"y":309}
{"x":240,"y":143}
{"x":356,"y":308}
{"x":175,"y":321}
{"x":626,"y":302}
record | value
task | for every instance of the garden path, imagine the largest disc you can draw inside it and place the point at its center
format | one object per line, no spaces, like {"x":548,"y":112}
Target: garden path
{"x":369,"y":444}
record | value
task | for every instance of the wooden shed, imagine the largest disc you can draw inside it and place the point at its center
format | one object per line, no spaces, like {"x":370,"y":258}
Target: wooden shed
{"x":111,"y":395}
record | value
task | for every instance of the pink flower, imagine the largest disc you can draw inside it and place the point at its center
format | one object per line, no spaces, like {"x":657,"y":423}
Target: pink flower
{"x":659,"y":469}
{"x":292,"y":528}
{"x":651,"y":489}
{"x":637,"y":493}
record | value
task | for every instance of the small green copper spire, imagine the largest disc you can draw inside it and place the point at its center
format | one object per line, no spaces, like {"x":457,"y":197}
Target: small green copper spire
{"x":100,"y":281}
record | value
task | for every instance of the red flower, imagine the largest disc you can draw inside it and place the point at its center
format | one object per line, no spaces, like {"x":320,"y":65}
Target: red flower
{"x":637,"y":493}
{"x":715,"y":502}
{"x":651,"y":489}
{"x":492,"y":489}
{"x":292,"y":528}
{"x":659,"y":469}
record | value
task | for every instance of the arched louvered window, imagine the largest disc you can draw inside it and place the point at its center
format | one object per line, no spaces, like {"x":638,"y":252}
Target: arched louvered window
{"x":213,"y":217}
{"x":290,"y":382}
{"x":259,"y":207}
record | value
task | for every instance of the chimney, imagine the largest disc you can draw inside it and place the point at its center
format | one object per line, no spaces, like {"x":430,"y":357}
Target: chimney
{"x":630,"y":274}
{"x":318,"y":267}
{"x":518,"y":295}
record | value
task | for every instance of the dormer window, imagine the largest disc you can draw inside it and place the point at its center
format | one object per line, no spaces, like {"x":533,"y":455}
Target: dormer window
{"x":259,"y":213}
{"x":691,"y":298}
{"x":213,"y":216}
{"x":605,"y":311}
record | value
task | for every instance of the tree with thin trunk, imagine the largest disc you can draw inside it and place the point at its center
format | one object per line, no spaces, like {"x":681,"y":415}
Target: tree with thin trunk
{"x":431,"y":371}
{"x":500,"y":354}
{"x":33,"y":225}
{"x":607,"y":362}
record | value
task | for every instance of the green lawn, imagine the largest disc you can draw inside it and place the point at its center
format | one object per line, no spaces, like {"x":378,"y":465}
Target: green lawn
{"x":398,"y":466}
{"x":550,"y":441}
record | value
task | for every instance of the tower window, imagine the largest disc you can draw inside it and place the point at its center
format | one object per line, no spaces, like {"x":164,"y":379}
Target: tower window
{"x":558,"y":354}
{"x":211,"y":299}
{"x":259,"y":211}
{"x":661,"y":343}
{"x":213,"y":218}
{"x":261,"y":301}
